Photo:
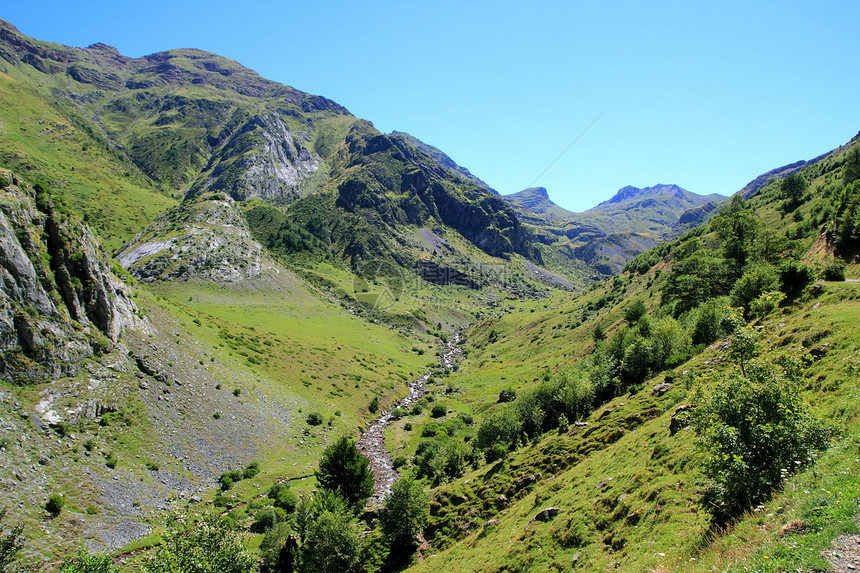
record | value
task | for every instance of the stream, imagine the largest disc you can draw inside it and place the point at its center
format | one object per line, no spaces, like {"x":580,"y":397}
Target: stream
{"x":372,"y":442}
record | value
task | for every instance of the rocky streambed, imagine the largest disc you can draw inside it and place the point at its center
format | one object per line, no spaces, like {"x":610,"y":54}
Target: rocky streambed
{"x":372,"y":442}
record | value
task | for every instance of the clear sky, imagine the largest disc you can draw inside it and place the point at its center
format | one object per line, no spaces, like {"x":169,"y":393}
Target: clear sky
{"x":706,"y":95}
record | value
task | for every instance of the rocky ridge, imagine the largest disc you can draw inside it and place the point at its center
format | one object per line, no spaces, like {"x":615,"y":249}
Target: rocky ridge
{"x":60,"y":302}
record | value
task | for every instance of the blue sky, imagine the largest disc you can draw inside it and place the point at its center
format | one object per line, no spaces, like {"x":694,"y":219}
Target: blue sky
{"x":703,"y":95}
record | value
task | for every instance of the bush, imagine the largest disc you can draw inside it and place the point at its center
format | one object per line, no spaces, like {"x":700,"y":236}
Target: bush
{"x":314,"y":419}
{"x":283,"y":498}
{"x":374,"y":405}
{"x":11,"y":541}
{"x":754,"y":282}
{"x":83,"y":562}
{"x":205,"y":546}
{"x":430,"y":430}
{"x":252,"y":470}
{"x":407,"y":426}
{"x":439,"y":411}
{"x":55,"y":504}
{"x":507,"y":395}
{"x":397,"y":413}
{"x":265,"y":519}
{"x":634,"y":312}
{"x":756,"y":430}
{"x":833,"y":272}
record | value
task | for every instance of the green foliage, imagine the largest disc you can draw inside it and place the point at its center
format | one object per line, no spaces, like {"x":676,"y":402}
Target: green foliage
{"x":283,"y":497}
{"x":833,"y":271}
{"x":737,"y":227}
{"x":279,"y":548}
{"x":743,"y":341}
{"x":405,"y":512}
{"x":439,"y":411}
{"x":331,"y":544}
{"x":314,"y":419}
{"x":203,"y":545}
{"x":83,"y":562}
{"x":794,"y":277}
{"x":766,"y":303}
{"x":251,"y":470}
{"x":634,"y":312}
{"x":343,"y":470}
{"x":706,"y":321}
{"x":756,"y":431}
{"x":374,"y":405}
{"x":700,"y":275}
{"x":791,"y":188}
{"x":11,"y":541}
{"x":266,"y":518}
{"x":507,"y":395}
{"x":55,"y":504}
{"x":756,"y":280}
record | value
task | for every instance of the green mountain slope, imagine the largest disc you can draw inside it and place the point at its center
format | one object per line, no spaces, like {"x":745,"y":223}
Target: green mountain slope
{"x":619,"y":482}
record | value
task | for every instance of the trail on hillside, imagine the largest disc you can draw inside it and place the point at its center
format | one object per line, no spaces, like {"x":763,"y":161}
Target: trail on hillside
{"x":372,"y":442}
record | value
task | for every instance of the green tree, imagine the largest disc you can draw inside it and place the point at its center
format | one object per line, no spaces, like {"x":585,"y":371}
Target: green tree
{"x":791,"y":188}
{"x":744,"y":341}
{"x":755,"y":430}
{"x":344,"y":470}
{"x":204,"y":545}
{"x":852,"y":167}
{"x":738,"y":229}
{"x":279,"y":549}
{"x":331,"y":543}
{"x":11,"y":541}
{"x":757,"y":279}
{"x":405,"y":512}
{"x":634,"y":312}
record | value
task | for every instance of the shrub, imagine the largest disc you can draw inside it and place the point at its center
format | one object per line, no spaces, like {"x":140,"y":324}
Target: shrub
{"x":507,"y":395}
{"x":55,"y":504}
{"x":755,"y":281}
{"x":833,"y":272}
{"x":111,"y":461}
{"x":439,"y":410}
{"x":252,"y":470}
{"x":397,"y":413}
{"x":314,"y":419}
{"x":83,"y":562}
{"x":207,"y":545}
{"x":634,"y":312}
{"x":407,"y":426}
{"x":374,"y":405}
{"x":430,"y":430}
{"x":755,"y":430}
{"x":11,"y":541}
{"x":265,"y":519}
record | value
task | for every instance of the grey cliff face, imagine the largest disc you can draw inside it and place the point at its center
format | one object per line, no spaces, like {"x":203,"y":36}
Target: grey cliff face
{"x":59,"y":295}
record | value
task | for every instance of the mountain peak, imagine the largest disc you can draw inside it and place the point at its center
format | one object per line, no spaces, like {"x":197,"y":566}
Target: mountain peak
{"x":630,"y":192}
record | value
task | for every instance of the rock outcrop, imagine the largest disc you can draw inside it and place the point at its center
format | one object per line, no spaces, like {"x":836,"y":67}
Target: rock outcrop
{"x":205,"y":238}
{"x":60,"y":301}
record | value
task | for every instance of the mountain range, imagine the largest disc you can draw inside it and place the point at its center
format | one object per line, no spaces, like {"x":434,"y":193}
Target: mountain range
{"x":209,"y":278}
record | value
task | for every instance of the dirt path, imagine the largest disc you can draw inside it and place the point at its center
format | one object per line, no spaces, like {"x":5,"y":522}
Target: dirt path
{"x":844,"y":554}
{"x":372,"y":441}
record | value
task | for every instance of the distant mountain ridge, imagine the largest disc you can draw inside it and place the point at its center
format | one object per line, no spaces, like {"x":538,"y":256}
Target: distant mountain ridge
{"x":606,"y":236}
